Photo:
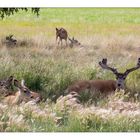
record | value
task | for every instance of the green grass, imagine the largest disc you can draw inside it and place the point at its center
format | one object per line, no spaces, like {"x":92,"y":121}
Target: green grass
{"x":84,"y":21}
{"x":48,"y":69}
{"x":83,"y":15}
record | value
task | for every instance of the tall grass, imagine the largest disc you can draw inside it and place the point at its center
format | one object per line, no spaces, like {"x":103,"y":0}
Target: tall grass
{"x":49,"y":69}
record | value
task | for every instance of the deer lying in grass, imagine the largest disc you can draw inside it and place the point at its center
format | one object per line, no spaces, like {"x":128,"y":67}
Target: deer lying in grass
{"x":6,"y":86}
{"x":103,"y":86}
{"x":23,"y":94}
{"x":74,"y":42}
{"x":62,"y":35}
{"x":10,"y":41}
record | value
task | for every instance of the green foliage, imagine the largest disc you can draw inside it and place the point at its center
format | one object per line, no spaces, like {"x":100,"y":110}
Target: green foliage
{"x":11,"y":11}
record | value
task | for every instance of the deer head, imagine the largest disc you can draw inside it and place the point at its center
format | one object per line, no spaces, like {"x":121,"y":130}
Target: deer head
{"x":120,"y":77}
{"x":9,"y":37}
{"x":74,"y":42}
{"x":60,"y":31}
{"x":23,"y":90}
{"x":10,"y":41}
{"x":25,"y":93}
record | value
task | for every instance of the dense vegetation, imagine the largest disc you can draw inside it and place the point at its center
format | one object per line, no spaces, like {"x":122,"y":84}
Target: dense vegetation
{"x":49,"y":69}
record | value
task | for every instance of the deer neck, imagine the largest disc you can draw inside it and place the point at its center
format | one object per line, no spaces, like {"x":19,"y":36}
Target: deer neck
{"x":17,"y":97}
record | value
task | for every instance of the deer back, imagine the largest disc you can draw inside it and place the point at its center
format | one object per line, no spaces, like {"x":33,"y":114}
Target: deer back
{"x":78,"y":86}
{"x":13,"y":99}
{"x":61,"y":33}
{"x":103,"y":86}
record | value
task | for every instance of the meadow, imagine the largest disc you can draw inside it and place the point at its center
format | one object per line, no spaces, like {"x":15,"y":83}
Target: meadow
{"x":48,"y":69}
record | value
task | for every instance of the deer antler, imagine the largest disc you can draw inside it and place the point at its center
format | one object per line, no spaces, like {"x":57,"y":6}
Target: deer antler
{"x":104,"y":65}
{"x":10,"y":36}
{"x":134,"y":68}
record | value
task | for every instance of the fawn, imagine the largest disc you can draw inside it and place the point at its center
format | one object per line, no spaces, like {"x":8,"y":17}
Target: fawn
{"x":62,"y":35}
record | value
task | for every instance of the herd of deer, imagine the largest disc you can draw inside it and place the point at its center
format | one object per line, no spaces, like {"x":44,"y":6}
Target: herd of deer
{"x":61,"y":34}
{"x":103,"y":86}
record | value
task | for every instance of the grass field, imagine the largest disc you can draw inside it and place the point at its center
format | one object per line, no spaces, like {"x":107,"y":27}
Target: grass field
{"x":48,"y":69}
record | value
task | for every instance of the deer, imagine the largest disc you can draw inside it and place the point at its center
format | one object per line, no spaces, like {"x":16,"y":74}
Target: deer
{"x":103,"y":86}
{"x":62,"y":35}
{"x":6,"y":86}
{"x":10,"y":41}
{"x":23,"y":94}
{"x":74,"y":42}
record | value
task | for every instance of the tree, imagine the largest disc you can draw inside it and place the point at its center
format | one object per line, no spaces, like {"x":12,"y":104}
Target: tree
{"x":10,"y":11}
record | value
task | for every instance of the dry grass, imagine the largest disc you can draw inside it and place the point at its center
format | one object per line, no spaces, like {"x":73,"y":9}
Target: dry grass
{"x":49,"y":69}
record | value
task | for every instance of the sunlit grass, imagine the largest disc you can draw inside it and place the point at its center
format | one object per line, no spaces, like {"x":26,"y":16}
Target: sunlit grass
{"x":111,"y":33}
{"x":80,"y":21}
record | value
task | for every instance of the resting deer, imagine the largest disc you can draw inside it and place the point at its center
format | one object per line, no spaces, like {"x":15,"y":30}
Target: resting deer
{"x":103,"y":86}
{"x":74,"y":42}
{"x":6,"y":86}
{"x":10,"y":41}
{"x":23,"y":94}
{"x":62,"y":35}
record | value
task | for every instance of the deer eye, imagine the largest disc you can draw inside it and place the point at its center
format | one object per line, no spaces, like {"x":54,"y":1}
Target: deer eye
{"x":25,"y":90}
{"x":32,"y":97}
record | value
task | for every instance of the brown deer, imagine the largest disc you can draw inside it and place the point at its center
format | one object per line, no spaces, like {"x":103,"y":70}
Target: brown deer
{"x":6,"y":86}
{"x":10,"y":41}
{"x":62,"y":35}
{"x":23,"y":94}
{"x":103,"y":86}
{"x":74,"y":42}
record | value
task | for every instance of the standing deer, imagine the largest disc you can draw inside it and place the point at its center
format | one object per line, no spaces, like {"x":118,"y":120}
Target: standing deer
{"x":103,"y":86}
{"x":74,"y":42}
{"x":23,"y":94}
{"x":62,"y":35}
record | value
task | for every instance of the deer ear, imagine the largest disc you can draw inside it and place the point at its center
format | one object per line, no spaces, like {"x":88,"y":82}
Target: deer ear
{"x":10,"y":78}
{"x":138,"y":64}
{"x":10,"y":36}
{"x":56,"y":29}
{"x":16,"y":83}
{"x":22,"y":83}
